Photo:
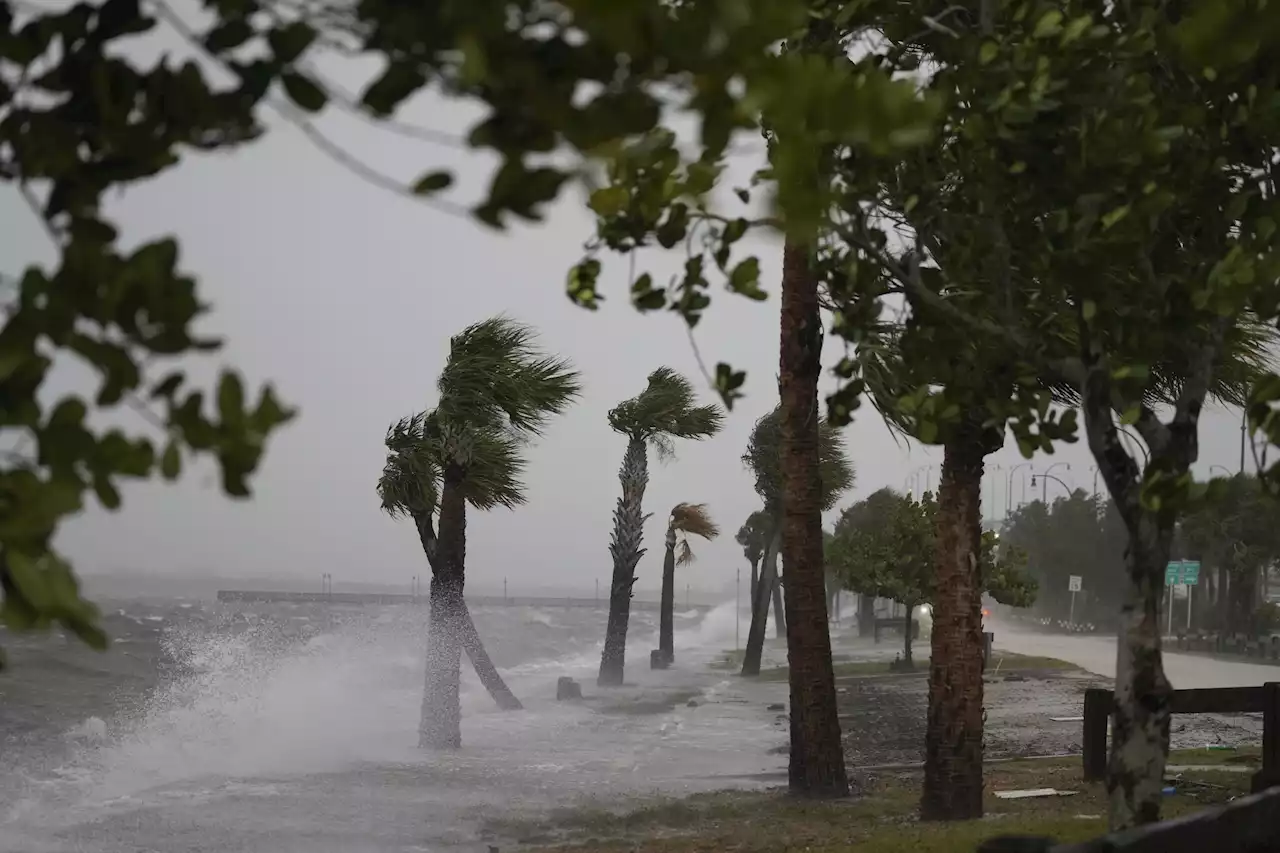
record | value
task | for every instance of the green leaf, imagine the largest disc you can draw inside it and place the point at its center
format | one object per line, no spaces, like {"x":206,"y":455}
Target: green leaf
{"x":609,"y":201}
{"x":1112,"y":217}
{"x":432,"y":182}
{"x":1049,"y":24}
{"x":303,"y":91}
{"x":171,"y":461}
{"x":988,"y":52}
{"x":291,"y":40}
{"x":107,"y":493}
{"x":1089,"y":310}
{"x":230,"y":398}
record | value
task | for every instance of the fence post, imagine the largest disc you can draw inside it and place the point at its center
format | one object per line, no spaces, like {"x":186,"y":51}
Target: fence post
{"x":1269,"y":775}
{"x":1097,"y":713}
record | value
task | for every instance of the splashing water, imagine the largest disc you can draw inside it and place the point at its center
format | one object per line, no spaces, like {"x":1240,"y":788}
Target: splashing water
{"x":311,"y":728}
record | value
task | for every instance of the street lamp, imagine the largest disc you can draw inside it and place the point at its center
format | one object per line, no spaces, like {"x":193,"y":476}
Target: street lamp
{"x":1044,"y":486}
{"x":1009,"y":492}
{"x":1223,"y":467}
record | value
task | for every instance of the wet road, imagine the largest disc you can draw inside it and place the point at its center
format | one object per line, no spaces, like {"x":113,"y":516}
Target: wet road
{"x":1097,"y":654}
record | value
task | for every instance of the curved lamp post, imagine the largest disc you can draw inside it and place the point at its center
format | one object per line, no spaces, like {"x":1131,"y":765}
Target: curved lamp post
{"x":1044,"y":486}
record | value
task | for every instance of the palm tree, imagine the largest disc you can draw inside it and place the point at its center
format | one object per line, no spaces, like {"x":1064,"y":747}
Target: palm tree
{"x":664,"y":411}
{"x":497,"y":392}
{"x":686,"y":520}
{"x":764,"y":459}
{"x":752,"y":536}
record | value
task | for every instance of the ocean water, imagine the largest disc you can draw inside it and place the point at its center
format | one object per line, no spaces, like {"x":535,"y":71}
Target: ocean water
{"x":287,"y":728}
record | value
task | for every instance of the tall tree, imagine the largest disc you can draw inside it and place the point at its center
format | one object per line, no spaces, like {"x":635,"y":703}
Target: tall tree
{"x":497,"y":391}
{"x":763,"y":458}
{"x":685,"y":520}
{"x":666,"y":410}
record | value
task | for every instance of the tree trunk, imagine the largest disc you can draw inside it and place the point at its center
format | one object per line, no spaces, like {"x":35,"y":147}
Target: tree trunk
{"x":440,"y":726}
{"x":779,"y":613}
{"x":866,"y":615}
{"x":628,"y":531}
{"x":666,"y":618}
{"x":907,"y":638}
{"x":488,"y":673}
{"x":1140,"y":723}
{"x":755,"y":577}
{"x":760,"y":607}
{"x":953,"y":736}
{"x":817,"y":753}
{"x":470,"y":637}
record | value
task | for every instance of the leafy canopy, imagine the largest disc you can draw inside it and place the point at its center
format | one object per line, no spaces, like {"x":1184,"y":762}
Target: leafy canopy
{"x":753,"y":535}
{"x":886,"y":546}
{"x":691,"y":520}
{"x":497,"y":390}
{"x":667,"y":409}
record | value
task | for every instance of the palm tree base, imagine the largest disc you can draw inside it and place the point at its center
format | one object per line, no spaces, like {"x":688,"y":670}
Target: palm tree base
{"x":658,"y":659}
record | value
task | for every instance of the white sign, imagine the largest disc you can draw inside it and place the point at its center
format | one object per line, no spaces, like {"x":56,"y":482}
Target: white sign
{"x":1074,"y":583}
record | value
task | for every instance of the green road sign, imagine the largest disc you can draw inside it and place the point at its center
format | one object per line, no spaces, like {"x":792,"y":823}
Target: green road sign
{"x":1182,"y":572}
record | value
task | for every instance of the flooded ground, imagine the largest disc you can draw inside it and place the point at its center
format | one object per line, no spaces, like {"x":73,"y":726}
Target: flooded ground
{"x":293,"y":728}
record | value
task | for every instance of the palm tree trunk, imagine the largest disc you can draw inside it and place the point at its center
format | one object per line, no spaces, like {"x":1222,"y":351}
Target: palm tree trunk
{"x":760,"y":607}
{"x":470,"y":637}
{"x":779,"y":613}
{"x":488,"y":673}
{"x":953,"y":736}
{"x":1140,"y":722}
{"x":440,"y":726}
{"x":755,"y":577}
{"x":666,"y":618}
{"x":817,"y":753}
{"x":628,"y":531}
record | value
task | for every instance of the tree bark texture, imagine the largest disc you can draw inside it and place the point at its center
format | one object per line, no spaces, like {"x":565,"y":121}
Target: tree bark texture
{"x":760,"y":606}
{"x":628,"y":531}
{"x":666,"y":618}
{"x":440,"y":726}
{"x":817,"y":755}
{"x":907,"y":638}
{"x":1140,"y":722}
{"x":755,"y":577}
{"x":953,"y":735}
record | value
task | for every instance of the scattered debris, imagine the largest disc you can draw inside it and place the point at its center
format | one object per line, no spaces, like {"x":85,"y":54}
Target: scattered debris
{"x":1088,"y":817}
{"x":1218,"y":747}
{"x":776,"y":707}
{"x":1015,"y":678}
{"x":692,"y":703}
{"x":567,"y":688}
{"x":1169,"y":790}
{"x":1067,"y":719}
{"x":1034,"y":792}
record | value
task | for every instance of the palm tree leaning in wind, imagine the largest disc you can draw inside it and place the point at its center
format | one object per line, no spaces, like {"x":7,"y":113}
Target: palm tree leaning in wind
{"x":686,"y":520}
{"x":764,"y":460}
{"x":497,"y":391}
{"x":664,"y":411}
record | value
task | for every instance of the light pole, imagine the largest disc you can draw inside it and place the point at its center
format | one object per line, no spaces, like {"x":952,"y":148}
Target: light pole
{"x":1044,"y":486}
{"x":1223,"y":467}
{"x":1137,"y":442}
{"x":1008,"y":502}
{"x":994,"y":503}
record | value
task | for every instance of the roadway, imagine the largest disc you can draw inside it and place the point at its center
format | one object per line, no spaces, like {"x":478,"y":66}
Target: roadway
{"x":1097,"y":654}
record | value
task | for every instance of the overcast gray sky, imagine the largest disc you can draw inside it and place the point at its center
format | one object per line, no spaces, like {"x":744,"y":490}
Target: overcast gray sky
{"x":345,"y":295}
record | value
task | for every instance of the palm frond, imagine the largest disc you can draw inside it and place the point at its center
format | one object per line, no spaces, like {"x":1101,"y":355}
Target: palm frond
{"x":667,"y":407}
{"x":410,"y":481}
{"x":684,"y":553}
{"x":753,"y":533}
{"x":694,"y":520}
{"x":495,"y":477}
{"x":497,"y":376}
{"x":763,"y":458}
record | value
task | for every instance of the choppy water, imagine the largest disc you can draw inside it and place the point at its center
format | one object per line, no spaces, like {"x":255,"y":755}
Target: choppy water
{"x":293,"y":728}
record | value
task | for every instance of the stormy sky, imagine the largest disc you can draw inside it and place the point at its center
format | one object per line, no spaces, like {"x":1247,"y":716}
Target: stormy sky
{"x":344,"y":295}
